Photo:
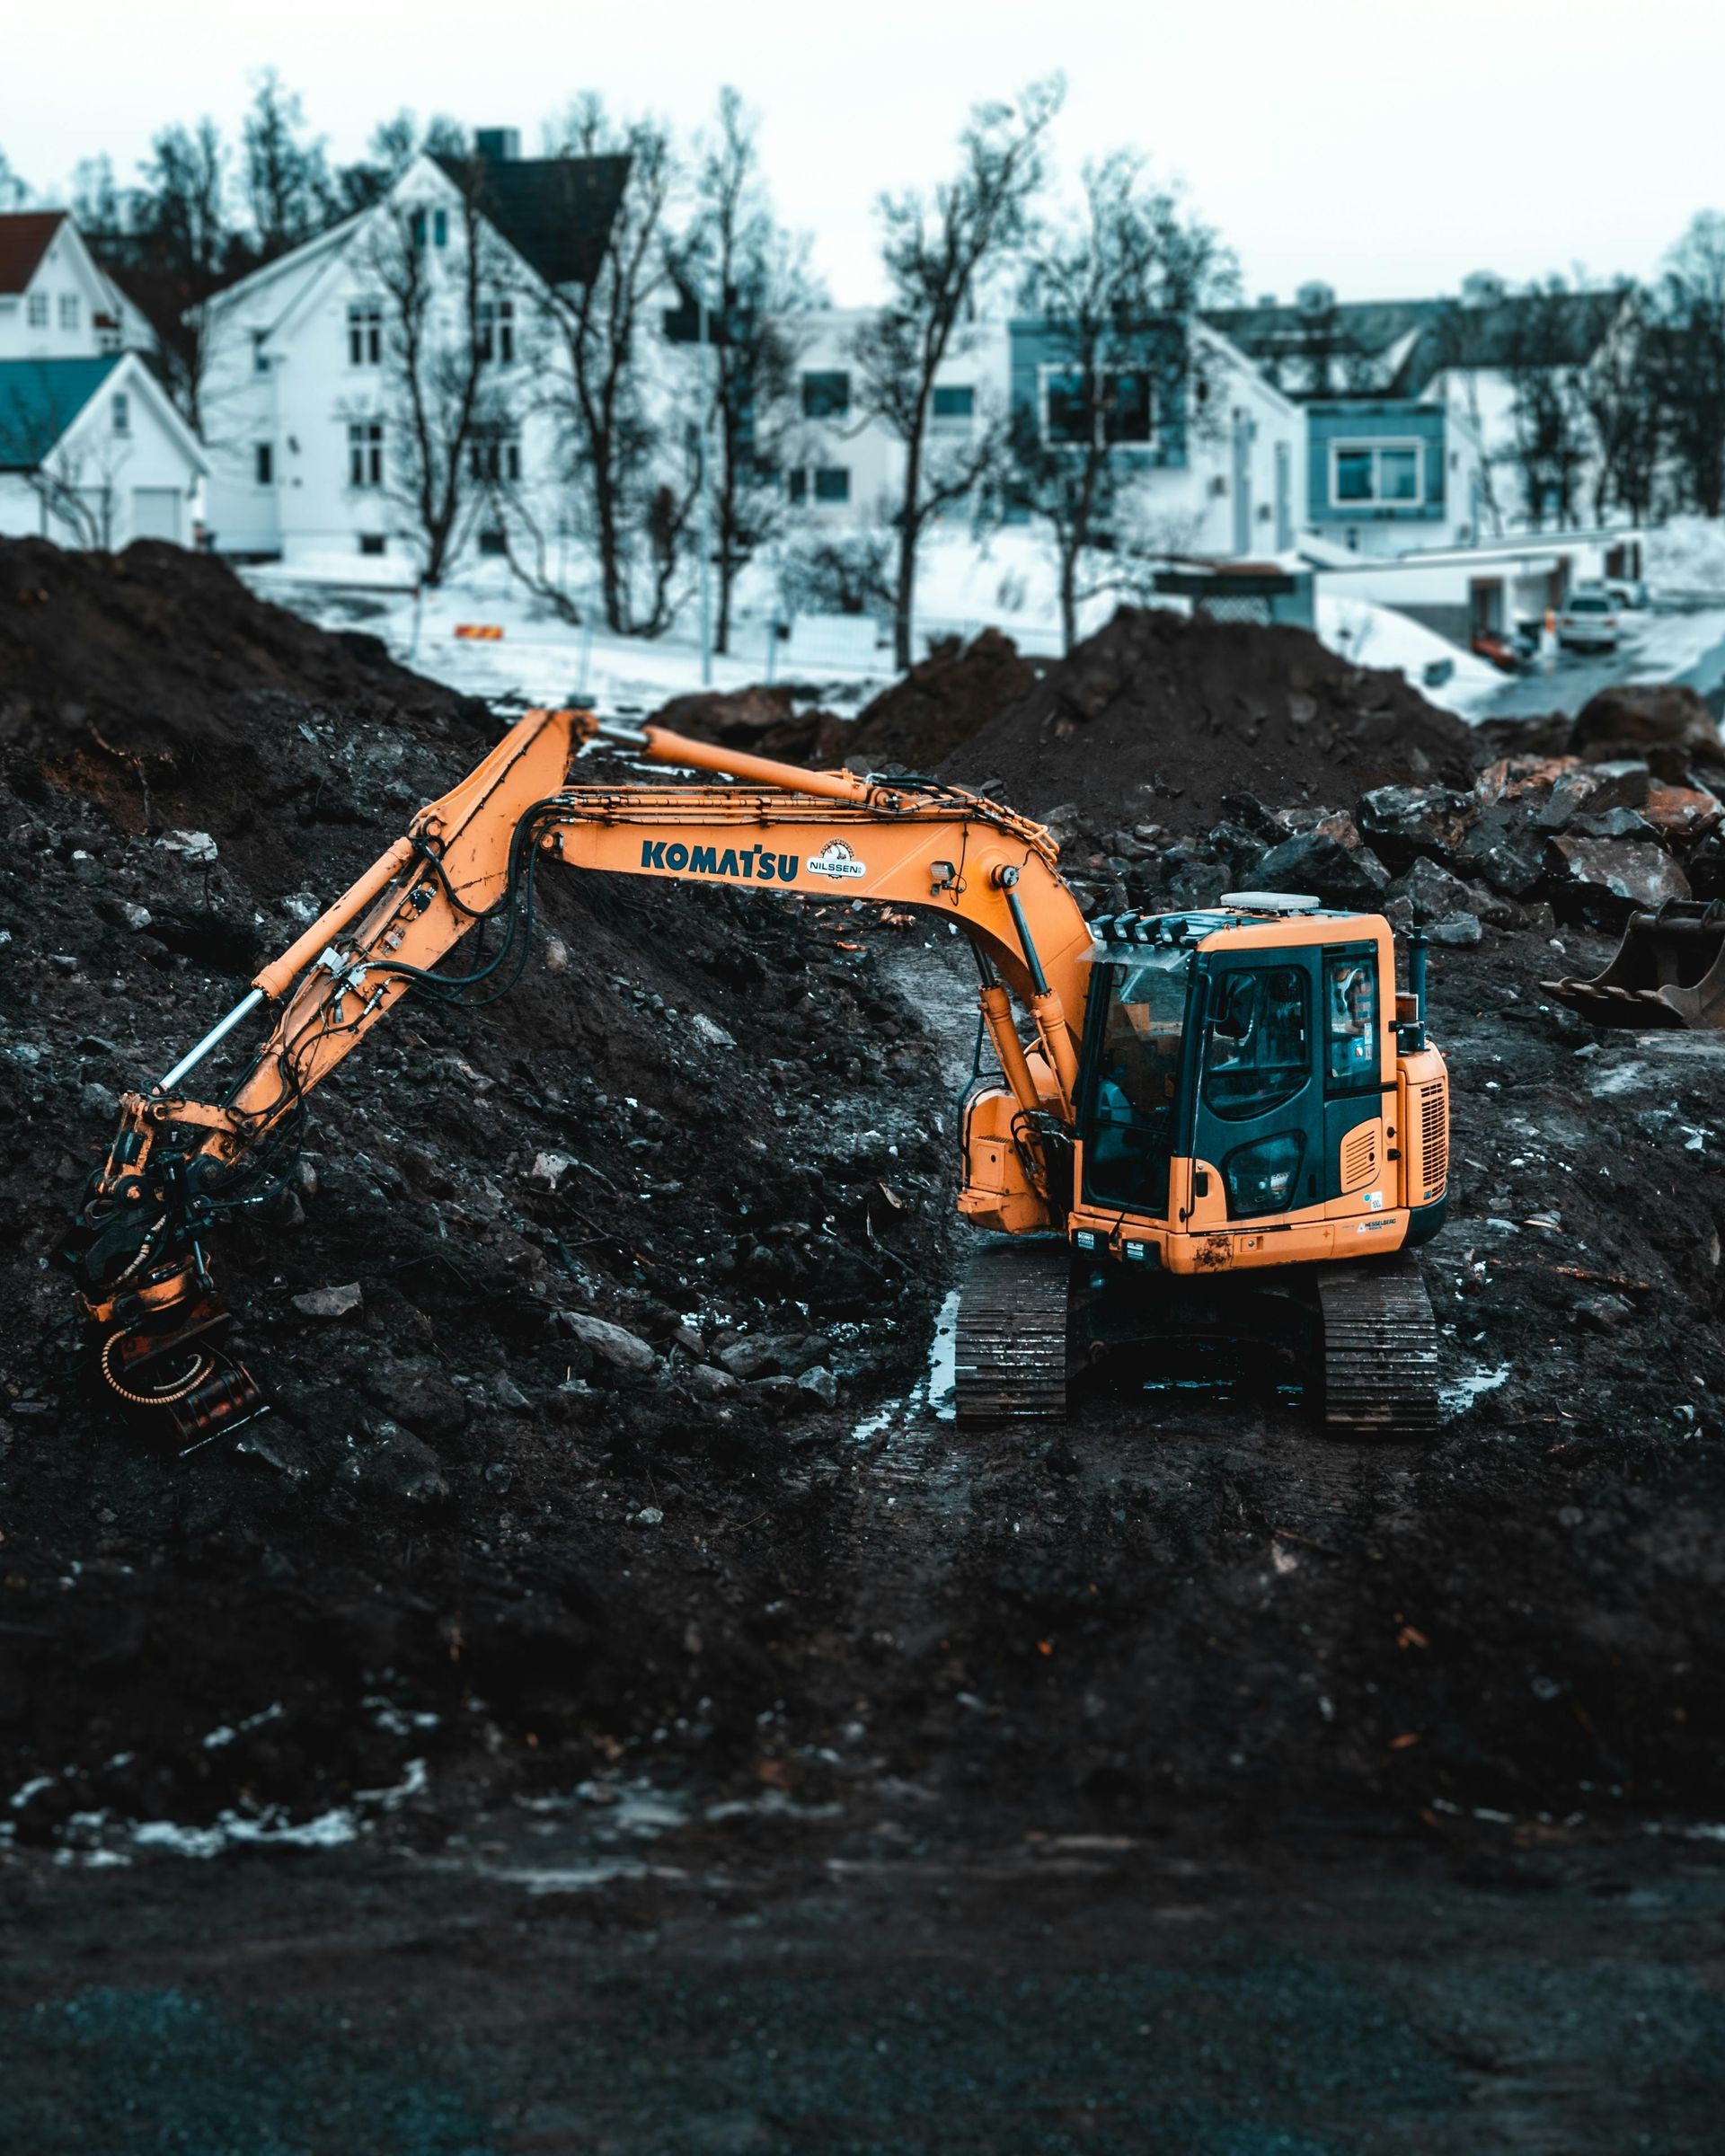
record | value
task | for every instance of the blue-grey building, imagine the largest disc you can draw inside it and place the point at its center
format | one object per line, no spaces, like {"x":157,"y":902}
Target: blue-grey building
{"x":1387,"y":474}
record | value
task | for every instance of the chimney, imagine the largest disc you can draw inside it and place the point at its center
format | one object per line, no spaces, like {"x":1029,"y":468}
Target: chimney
{"x":1266,"y":299}
{"x":500,"y":145}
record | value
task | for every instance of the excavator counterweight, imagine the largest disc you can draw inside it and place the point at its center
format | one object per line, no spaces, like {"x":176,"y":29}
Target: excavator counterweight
{"x":1227,"y":1092}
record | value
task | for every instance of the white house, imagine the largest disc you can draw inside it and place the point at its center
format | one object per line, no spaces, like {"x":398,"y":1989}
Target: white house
{"x":1219,"y":474}
{"x":92,"y":454}
{"x":300,"y":397}
{"x":1462,"y":471}
{"x":56,"y":302}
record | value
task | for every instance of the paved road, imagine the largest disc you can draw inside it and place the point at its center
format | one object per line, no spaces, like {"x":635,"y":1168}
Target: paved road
{"x":1667,"y":644}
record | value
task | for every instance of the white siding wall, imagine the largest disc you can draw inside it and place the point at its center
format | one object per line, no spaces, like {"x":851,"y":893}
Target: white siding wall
{"x":110,"y":469}
{"x":65,"y":274}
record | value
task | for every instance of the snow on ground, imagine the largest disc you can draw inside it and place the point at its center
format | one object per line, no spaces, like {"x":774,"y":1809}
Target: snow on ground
{"x":1005,"y":581}
{"x":539,"y":659}
{"x":1380,"y":636}
{"x":1687,"y":556}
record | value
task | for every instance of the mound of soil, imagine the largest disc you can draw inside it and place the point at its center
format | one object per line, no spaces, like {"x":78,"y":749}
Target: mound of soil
{"x":1158,"y":718}
{"x":580,"y":1312}
{"x":682,"y":1123}
{"x":945,"y":700}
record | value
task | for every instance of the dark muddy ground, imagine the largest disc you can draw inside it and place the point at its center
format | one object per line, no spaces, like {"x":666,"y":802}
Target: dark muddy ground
{"x":516,"y":1745}
{"x":899,"y":1983}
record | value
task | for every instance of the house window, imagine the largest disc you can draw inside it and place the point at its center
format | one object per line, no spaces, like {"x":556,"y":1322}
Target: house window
{"x":954,"y":403}
{"x":372,"y":542}
{"x":122,"y":412}
{"x":68,"y":310}
{"x":1118,"y":412}
{"x":1376,"y":474}
{"x":416,"y":229}
{"x":495,"y":457}
{"x":366,"y":332}
{"x":493,"y":542}
{"x":440,"y":227}
{"x":826,"y":396}
{"x":832,"y":482}
{"x":260,"y":358}
{"x":366,"y":453}
{"x":263,"y":457}
{"x":494,"y":331}
{"x":38,"y":310}
{"x":796,"y":485}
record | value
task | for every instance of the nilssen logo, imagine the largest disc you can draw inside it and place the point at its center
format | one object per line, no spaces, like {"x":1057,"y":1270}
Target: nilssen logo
{"x":835,"y":860}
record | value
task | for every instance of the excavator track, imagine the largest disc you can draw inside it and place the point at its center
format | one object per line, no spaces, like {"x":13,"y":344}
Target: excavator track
{"x":1012,"y":1331}
{"x":1379,"y":1350}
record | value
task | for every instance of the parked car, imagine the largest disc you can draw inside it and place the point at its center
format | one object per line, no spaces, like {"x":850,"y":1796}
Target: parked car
{"x":1588,"y":620}
{"x":1629,"y":592}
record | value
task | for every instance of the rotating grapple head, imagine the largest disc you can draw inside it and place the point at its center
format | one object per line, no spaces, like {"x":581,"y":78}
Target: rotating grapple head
{"x":156,"y":1319}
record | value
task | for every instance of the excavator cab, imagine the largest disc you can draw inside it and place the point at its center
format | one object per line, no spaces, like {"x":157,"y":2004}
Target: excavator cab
{"x":1254,"y":1098}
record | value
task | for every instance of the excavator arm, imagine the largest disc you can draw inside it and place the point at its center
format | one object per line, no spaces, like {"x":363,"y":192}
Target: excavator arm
{"x":466,"y":869}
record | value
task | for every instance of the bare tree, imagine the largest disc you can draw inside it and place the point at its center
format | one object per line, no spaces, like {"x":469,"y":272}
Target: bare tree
{"x":1688,"y":347}
{"x":1115,"y":293}
{"x":392,"y":147}
{"x":752,"y":278}
{"x":14,"y":193}
{"x":284,"y":176}
{"x":441,"y":331}
{"x":177,"y":250}
{"x":631,"y":481}
{"x":937,"y":252}
{"x":1550,"y":445}
{"x":1619,"y":392}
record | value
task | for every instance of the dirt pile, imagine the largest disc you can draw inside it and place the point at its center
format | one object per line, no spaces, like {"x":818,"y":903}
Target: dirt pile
{"x":913,"y":725}
{"x":549,"y":1274}
{"x":581,"y":1312}
{"x":1158,"y":719}
{"x":781,"y":719}
{"x":942,"y":703}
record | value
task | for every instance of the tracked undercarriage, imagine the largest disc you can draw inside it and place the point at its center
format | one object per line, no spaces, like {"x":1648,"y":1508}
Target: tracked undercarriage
{"x":1360,"y":1340}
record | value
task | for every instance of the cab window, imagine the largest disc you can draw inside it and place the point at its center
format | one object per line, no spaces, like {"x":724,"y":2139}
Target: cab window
{"x":1351,"y":1030}
{"x":1258,"y":1055}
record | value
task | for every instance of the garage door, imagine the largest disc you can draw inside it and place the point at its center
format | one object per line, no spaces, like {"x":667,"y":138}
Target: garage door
{"x":155,"y":513}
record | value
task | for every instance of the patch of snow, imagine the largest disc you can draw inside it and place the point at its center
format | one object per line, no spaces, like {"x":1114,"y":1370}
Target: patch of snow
{"x":941,"y":1384}
{"x":1456,"y":1399}
{"x":1381,"y":636}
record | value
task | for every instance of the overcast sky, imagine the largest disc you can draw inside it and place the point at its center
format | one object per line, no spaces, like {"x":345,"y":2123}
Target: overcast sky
{"x":1385,"y":149}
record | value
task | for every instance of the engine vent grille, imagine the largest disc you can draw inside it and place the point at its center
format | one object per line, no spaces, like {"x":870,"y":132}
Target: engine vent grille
{"x":1434,"y":1137}
{"x":1359,"y":1157}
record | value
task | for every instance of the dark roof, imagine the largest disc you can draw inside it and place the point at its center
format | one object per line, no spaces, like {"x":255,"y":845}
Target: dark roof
{"x":555,"y":212}
{"x":1548,"y":329}
{"x":38,"y":401}
{"x":1535,"y":328}
{"x":24,"y":237}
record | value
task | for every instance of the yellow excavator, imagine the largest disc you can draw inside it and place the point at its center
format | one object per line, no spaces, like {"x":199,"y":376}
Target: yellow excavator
{"x":1195,"y":1103}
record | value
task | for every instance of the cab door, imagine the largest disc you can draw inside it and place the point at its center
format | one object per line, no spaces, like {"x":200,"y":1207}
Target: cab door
{"x":1261,"y":1104}
{"x":1351,"y":1035}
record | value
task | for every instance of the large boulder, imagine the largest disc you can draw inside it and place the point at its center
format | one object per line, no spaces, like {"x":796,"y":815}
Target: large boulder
{"x":1499,"y":851}
{"x":1400,"y":822}
{"x":613,"y":1344}
{"x":1603,"y":880}
{"x":1319,"y":862}
{"x":1663,"y":722}
{"x":1593,"y":790}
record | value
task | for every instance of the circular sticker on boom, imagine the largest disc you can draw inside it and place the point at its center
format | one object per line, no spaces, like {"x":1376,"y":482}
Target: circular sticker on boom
{"x":835,"y":860}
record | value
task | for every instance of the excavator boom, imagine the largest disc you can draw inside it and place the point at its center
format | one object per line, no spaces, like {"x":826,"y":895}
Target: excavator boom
{"x":470,"y":862}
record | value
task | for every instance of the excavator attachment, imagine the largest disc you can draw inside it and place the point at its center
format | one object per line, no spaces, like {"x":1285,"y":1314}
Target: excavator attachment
{"x":1669,"y":970}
